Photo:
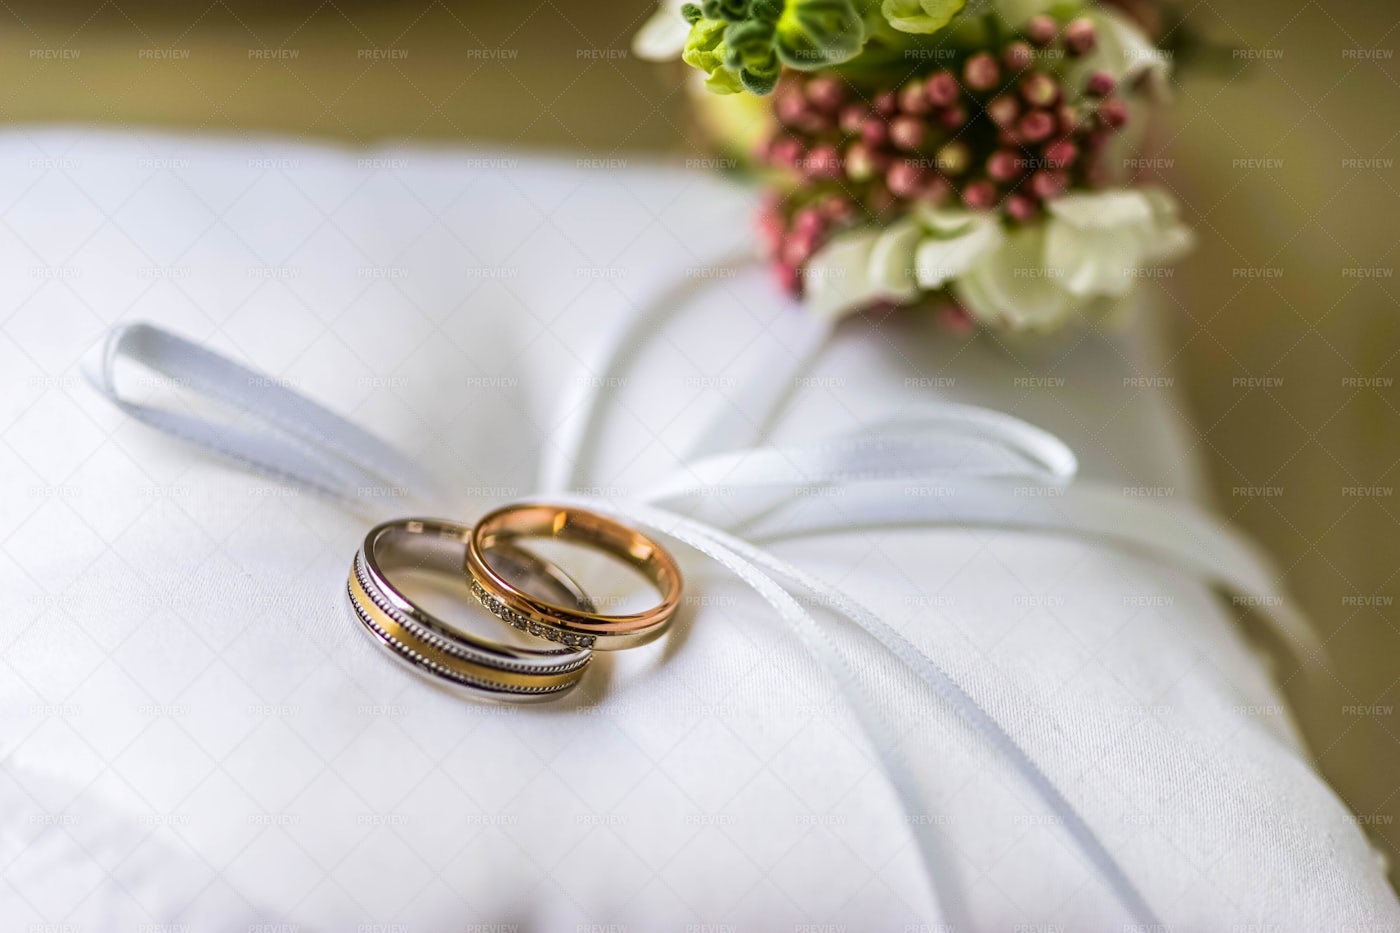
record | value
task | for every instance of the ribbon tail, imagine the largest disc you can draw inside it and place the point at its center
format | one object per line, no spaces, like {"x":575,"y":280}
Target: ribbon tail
{"x":1181,"y":536}
{"x":724,"y":549}
{"x":761,"y":571}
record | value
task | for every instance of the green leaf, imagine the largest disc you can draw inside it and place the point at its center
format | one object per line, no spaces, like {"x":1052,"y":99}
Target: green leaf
{"x":920,"y":16}
{"x":815,"y":34}
{"x":761,"y":85}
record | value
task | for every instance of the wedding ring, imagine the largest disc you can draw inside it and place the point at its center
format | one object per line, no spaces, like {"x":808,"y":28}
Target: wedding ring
{"x":571,"y":625}
{"x":468,"y":664}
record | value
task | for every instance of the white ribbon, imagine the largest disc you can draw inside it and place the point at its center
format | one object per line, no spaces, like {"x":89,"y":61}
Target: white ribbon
{"x":1001,"y":472}
{"x":288,"y":436}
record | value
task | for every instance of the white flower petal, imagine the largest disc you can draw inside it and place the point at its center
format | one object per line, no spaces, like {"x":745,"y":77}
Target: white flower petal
{"x":1102,"y":210}
{"x":1173,"y":243}
{"x":662,"y":37}
{"x":1011,"y":286}
{"x":1100,"y":239}
{"x":941,"y":259}
{"x":892,"y":258}
{"x":1163,"y":205}
{"x":837,"y":279}
{"x":948,"y":221}
{"x":1092,"y":262}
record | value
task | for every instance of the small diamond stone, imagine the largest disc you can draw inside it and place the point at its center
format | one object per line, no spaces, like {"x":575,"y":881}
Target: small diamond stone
{"x":571,"y":639}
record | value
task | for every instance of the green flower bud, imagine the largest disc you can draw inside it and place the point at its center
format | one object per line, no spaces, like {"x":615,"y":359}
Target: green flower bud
{"x":750,"y":46}
{"x":744,"y":44}
{"x":761,"y":85}
{"x":732,"y":11}
{"x":920,"y":16}
{"x":704,"y":47}
{"x":815,"y":34}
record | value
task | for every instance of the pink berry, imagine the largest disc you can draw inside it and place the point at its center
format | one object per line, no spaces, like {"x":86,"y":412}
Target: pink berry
{"x":942,"y":88}
{"x":1039,"y":89}
{"x":908,"y":133}
{"x":952,"y":118}
{"x":1114,"y":113}
{"x":1046,"y":184}
{"x":936,"y":190}
{"x":860,"y":162}
{"x":1020,"y":207}
{"x":904,"y":179}
{"x":789,"y":279}
{"x":770,"y":233}
{"x":1004,"y":165}
{"x":913,"y":98}
{"x":864,"y":163}
{"x":791,"y":107}
{"x":1041,"y":30}
{"x":875,"y":131}
{"x":1017,"y":56}
{"x":1066,"y":119}
{"x":1035,"y":126}
{"x":981,"y":195}
{"x":1060,"y":154}
{"x":786,"y":152}
{"x":1080,"y":36}
{"x":796,"y":250}
{"x":1100,"y":84}
{"x":826,"y":92}
{"x":1003,"y":110}
{"x":824,"y":162}
{"x":886,"y":103}
{"x":956,"y":319}
{"x":981,"y":72}
{"x":853,"y":117}
{"x":808,"y":221}
{"x":954,"y":158}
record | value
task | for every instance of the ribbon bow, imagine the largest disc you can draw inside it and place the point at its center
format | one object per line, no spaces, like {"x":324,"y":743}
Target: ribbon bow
{"x":766,"y":496}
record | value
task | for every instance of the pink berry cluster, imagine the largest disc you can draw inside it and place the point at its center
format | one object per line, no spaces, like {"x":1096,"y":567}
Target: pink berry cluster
{"x":999,"y":131}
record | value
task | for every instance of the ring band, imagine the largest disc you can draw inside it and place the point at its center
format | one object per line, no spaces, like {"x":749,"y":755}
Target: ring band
{"x":467,"y":663}
{"x":571,"y":625}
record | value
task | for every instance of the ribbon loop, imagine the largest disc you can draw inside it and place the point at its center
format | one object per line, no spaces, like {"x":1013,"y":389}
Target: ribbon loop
{"x":291,"y":438}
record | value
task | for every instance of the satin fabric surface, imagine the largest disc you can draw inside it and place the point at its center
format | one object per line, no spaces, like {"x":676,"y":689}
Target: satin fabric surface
{"x":195,"y":733}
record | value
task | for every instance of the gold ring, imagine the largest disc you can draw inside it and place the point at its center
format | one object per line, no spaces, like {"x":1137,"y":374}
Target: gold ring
{"x":572,"y":625}
{"x":421,"y":641}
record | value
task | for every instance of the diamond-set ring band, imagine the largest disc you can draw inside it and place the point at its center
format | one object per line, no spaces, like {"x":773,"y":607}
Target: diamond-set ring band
{"x":467,"y":663}
{"x":570,"y":623}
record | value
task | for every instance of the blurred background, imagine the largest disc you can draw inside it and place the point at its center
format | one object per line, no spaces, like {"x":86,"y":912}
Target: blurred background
{"x":1285,"y":335}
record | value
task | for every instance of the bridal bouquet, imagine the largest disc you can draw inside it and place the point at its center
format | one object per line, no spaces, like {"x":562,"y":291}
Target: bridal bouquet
{"x":971,"y":154}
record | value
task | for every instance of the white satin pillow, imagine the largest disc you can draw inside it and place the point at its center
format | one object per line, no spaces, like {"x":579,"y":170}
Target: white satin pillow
{"x":194,"y":732}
